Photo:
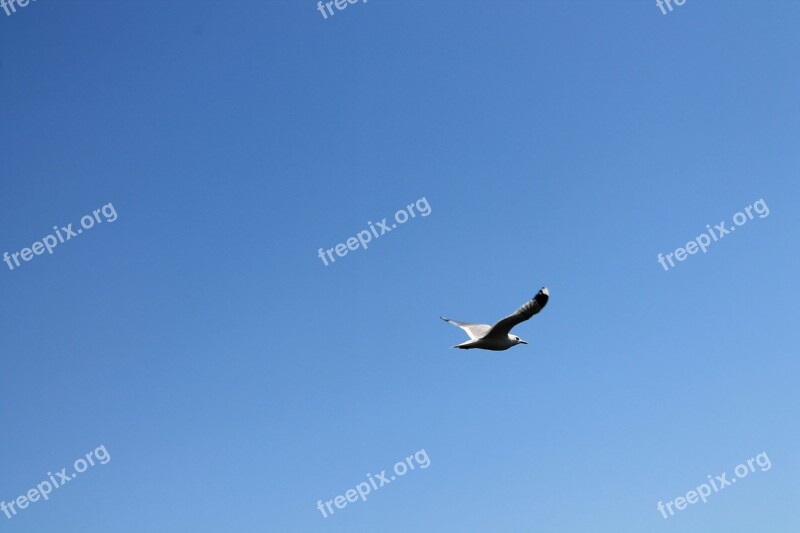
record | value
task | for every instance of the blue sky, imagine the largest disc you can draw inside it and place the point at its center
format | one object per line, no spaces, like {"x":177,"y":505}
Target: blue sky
{"x":235,"y":380}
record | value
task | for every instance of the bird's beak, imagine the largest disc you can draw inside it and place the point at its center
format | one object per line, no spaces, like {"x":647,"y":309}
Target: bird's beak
{"x":523,"y":342}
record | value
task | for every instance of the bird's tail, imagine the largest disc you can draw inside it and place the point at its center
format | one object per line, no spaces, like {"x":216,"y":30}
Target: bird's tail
{"x":466,"y":345}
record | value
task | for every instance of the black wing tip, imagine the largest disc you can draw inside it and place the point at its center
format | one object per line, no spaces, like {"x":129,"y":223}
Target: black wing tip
{"x":542,"y":296}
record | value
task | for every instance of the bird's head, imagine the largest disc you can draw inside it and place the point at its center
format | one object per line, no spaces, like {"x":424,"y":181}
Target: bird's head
{"x":517,"y":340}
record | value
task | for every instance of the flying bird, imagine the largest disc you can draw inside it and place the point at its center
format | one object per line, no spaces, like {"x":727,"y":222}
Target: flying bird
{"x":498,"y":337}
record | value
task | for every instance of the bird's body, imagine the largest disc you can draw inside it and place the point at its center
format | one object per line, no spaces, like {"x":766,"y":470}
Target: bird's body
{"x":495,"y":344}
{"x":498,"y":337}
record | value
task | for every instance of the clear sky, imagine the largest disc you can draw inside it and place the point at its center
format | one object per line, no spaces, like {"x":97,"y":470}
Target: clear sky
{"x":234,"y":379}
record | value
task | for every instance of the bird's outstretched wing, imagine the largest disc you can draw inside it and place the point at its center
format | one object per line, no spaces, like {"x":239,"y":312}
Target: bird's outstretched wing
{"x":475,"y":331}
{"x":503,"y":327}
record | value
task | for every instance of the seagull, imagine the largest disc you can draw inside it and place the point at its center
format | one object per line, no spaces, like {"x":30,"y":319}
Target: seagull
{"x":498,"y":337}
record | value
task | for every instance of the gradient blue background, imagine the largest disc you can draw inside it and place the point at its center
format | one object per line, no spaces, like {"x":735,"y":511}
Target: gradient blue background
{"x":235,"y":380}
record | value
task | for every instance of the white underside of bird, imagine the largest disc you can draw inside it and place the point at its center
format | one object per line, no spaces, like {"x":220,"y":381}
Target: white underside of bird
{"x":499,"y":337}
